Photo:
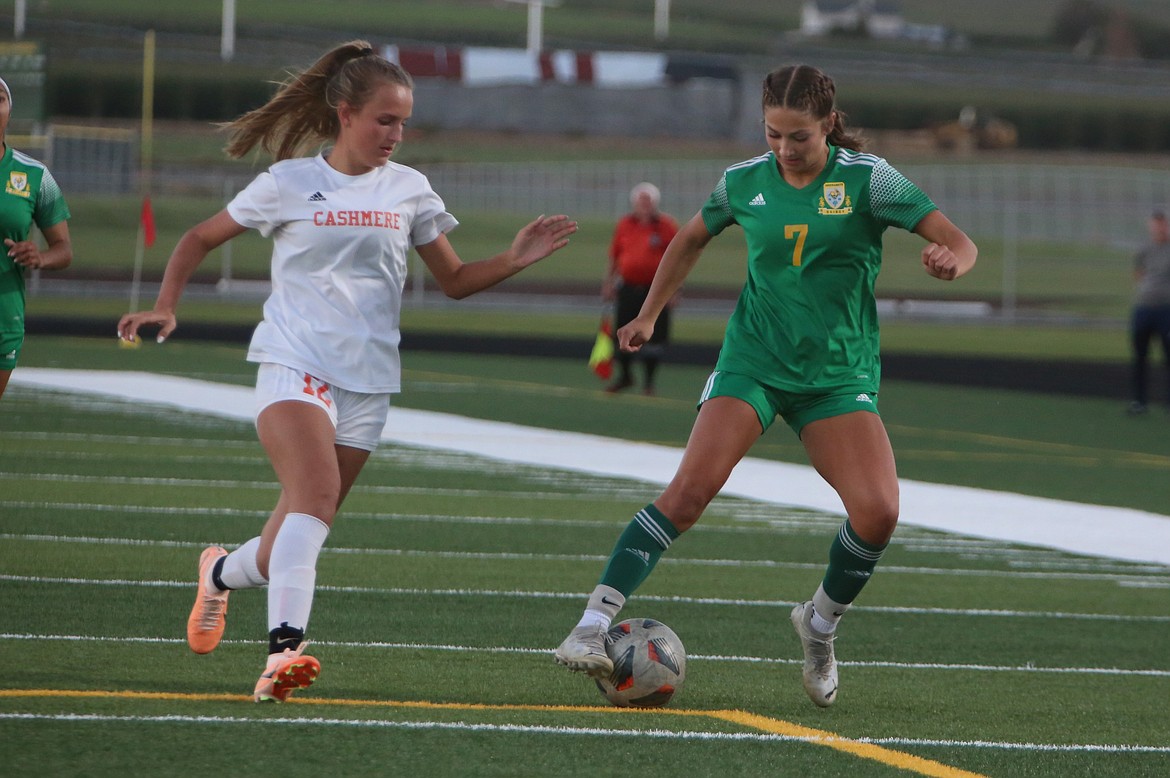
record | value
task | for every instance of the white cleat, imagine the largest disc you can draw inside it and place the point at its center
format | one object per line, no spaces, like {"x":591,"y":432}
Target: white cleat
{"x":820,"y":666}
{"x":584,"y":651}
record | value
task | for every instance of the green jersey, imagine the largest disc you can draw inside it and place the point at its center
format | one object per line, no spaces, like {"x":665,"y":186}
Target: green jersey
{"x":806,"y":320}
{"x":30,"y":196}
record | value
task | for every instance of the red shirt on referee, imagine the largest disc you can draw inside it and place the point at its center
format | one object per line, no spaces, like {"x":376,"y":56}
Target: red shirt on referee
{"x":639,"y":241}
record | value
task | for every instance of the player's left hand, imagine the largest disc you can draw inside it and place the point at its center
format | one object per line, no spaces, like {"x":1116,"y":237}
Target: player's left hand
{"x":940,"y":261}
{"x":636,"y":334}
{"x":541,"y":237}
{"x":25,"y":253}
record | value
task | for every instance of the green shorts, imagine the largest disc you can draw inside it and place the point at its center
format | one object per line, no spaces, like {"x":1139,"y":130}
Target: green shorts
{"x":796,"y":408}
{"x":11,"y":320}
{"x":10,"y":343}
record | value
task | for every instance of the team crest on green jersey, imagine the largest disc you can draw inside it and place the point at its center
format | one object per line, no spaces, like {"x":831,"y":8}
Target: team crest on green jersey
{"x":17,"y":184}
{"x":834,"y":200}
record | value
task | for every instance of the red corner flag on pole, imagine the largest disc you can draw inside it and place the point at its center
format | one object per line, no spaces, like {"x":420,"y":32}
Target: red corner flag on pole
{"x":147,"y":222}
{"x":601,"y":360}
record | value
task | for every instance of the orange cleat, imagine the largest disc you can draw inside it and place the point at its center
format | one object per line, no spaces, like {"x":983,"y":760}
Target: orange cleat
{"x":206,"y":622}
{"x":286,"y":672}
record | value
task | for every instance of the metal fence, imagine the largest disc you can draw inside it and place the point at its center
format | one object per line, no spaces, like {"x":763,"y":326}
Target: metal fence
{"x":1092,"y":204}
{"x":1033,"y":202}
{"x":999,"y":204}
{"x":92,"y":160}
{"x":1095,"y":205}
{"x":1003,"y":204}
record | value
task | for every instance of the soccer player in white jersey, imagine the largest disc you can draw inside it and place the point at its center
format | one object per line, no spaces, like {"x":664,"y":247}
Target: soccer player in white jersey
{"x":342,"y":223}
{"x":30,"y":196}
{"x":802,"y":344}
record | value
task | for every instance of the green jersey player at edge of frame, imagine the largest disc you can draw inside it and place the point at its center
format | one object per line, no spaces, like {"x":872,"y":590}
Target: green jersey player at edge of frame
{"x":802,"y":345}
{"x":31,"y":196}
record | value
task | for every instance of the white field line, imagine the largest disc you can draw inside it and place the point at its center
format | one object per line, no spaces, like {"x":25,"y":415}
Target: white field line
{"x":949,"y":544}
{"x":674,"y":599}
{"x":766,"y":525}
{"x":383,"y":458}
{"x":1029,"y":668}
{"x":655,"y":733}
{"x":132,"y":440}
{"x":462,"y":726}
{"x":1094,"y":530}
{"x":1121,"y":579}
{"x":272,"y":486}
{"x":808,"y":522}
{"x":970,"y":548}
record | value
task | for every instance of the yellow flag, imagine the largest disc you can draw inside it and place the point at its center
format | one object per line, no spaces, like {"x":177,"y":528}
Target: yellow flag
{"x":601,"y":360}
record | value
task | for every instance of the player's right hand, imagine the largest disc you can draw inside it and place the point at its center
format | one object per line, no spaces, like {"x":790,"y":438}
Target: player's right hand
{"x":129,"y":324}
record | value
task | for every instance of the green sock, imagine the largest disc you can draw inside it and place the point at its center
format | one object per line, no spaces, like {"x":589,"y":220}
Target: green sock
{"x":851,"y":563}
{"x":638,"y":550}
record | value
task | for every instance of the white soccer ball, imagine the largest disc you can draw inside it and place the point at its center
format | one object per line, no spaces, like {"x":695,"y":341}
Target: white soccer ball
{"x":649,"y":664}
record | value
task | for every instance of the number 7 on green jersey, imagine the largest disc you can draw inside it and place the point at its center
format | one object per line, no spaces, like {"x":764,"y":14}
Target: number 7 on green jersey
{"x":800,"y":232}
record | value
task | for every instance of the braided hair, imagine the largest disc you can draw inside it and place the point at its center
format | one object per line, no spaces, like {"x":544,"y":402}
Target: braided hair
{"x":304,"y":109}
{"x":806,"y":88}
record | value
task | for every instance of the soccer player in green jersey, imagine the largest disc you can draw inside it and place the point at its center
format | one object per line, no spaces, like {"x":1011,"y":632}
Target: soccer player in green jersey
{"x":30,"y":196}
{"x":802,"y":344}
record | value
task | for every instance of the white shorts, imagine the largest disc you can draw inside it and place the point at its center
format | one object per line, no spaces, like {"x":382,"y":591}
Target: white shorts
{"x":358,"y":418}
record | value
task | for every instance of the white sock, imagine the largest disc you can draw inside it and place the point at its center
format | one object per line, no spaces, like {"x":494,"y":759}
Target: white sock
{"x":591,"y":617}
{"x":826,"y":612}
{"x":239,"y":569}
{"x":603,"y":607}
{"x":292,"y":570}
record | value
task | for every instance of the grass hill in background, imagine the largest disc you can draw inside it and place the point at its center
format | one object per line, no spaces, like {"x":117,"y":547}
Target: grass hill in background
{"x":1031,"y":64}
{"x":733,"y":27}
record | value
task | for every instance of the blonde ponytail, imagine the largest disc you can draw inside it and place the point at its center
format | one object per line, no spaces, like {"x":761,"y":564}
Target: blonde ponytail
{"x":303,"y":112}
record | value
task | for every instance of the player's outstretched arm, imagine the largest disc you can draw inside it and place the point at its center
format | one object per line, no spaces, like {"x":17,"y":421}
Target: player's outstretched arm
{"x":535,"y":241}
{"x":191,"y":250}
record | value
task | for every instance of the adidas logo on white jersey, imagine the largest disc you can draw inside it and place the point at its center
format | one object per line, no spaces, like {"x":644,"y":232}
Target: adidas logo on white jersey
{"x":863,"y":398}
{"x":758,"y":200}
{"x":316,"y":197}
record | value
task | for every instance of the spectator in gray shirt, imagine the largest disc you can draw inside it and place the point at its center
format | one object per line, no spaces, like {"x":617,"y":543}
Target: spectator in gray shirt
{"x":1151,"y":310}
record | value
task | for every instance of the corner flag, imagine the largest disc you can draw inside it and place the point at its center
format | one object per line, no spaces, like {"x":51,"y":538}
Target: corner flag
{"x":147,"y":222}
{"x":601,"y":360}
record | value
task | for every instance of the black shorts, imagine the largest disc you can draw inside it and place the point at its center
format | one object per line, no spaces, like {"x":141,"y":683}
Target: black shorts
{"x":629,"y":303}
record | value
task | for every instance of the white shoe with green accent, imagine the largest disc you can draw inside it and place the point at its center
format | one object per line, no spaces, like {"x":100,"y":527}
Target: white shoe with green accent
{"x":820,"y":666}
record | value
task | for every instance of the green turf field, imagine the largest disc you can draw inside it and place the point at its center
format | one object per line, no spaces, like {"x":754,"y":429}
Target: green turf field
{"x":449,"y":578}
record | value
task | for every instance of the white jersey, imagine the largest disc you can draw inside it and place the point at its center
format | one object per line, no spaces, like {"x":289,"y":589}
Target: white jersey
{"x":339,"y":254}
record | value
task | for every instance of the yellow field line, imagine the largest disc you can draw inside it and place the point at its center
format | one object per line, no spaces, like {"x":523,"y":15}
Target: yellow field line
{"x":470,"y":706}
{"x":773,"y":726}
{"x":819,"y":737}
